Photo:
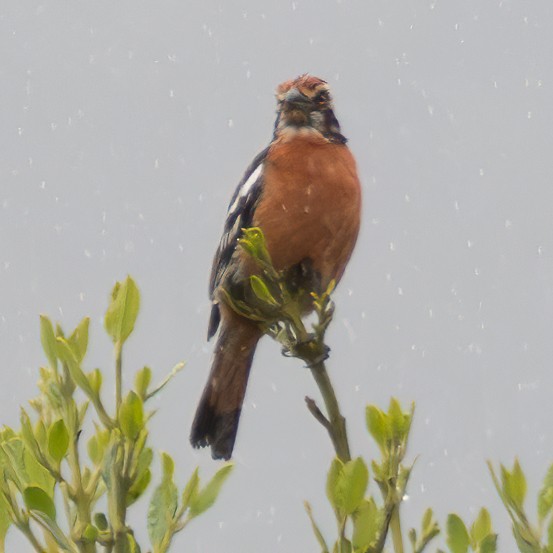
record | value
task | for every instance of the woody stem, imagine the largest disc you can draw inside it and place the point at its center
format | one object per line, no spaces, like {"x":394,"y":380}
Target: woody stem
{"x":336,"y":426}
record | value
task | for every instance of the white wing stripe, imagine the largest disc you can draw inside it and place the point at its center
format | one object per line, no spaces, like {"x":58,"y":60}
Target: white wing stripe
{"x":245,"y":188}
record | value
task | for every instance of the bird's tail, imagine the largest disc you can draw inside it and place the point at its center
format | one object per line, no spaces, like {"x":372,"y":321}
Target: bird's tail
{"x":218,"y":414}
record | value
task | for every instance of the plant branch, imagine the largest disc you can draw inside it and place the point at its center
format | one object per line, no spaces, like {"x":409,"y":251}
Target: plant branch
{"x":383,"y":534}
{"x":29,"y":534}
{"x":395,"y":527}
{"x":335,"y":423}
{"x":316,"y":412}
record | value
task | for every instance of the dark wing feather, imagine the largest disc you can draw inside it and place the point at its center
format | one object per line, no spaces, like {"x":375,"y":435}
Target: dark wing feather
{"x":239,"y":215}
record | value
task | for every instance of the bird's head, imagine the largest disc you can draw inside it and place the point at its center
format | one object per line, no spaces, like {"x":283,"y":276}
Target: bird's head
{"x":306,"y":102}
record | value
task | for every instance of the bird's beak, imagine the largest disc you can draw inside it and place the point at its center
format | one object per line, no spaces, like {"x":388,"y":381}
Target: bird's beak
{"x":295,"y":98}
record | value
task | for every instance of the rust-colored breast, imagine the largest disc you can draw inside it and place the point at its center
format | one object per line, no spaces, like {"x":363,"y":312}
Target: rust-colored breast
{"x":311,"y":203}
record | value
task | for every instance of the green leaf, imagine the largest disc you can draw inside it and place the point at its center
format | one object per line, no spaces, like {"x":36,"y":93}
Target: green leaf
{"x":36,"y":499}
{"x":48,"y":341}
{"x":123,"y":310}
{"x":367,"y":521}
{"x":545,"y":497}
{"x":6,"y":433}
{"x":205,"y":497}
{"x":131,"y":416}
{"x":58,"y":440}
{"x":518,"y":481}
{"x":41,"y":435}
{"x":112,"y":461}
{"x":343,"y":545}
{"x":51,"y":526}
{"x":242,"y":308}
{"x":36,"y":473}
{"x":27,"y":430}
{"x":5,"y":521}
{"x":318,"y":534}
{"x":412,"y":534}
{"x":163,"y":505}
{"x":332,"y":479}
{"x":514,"y":484}
{"x":145,"y":457}
{"x":97,"y":445}
{"x":66,"y":353}
{"x":400,"y":422}
{"x":525,"y":542}
{"x":261,"y":291}
{"x":191,"y":489}
{"x":481,"y":527}
{"x":21,"y":466}
{"x":90,"y":533}
{"x":488,"y":544}
{"x":101,"y":521}
{"x":457,"y":535}
{"x":79,"y":339}
{"x":13,"y":463}
{"x":352,"y":485}
{"x":253,"y":242}
{"x":429,"y":530}
{"x":427,"y":520}
{"x":377,"y":424}
{"x":95,"y":381}
{"x":138,"y":487}
{"x":142,"y":381}
{"x":133,"y":547}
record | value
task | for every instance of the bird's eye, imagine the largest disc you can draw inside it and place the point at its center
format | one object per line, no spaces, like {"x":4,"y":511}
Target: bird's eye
{"x":322,"y":97}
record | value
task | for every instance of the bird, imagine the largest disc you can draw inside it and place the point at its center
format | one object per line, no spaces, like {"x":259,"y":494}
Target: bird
{"x":304,"y":193}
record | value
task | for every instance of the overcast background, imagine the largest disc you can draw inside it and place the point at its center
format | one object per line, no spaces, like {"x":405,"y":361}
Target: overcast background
{"x":124,"y":128}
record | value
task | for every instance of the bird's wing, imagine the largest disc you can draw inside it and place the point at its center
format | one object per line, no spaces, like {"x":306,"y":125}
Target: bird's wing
{"x":239,"y":215}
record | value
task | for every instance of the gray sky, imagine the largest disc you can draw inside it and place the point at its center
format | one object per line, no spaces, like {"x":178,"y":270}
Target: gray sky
{"x":125,"y":127}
